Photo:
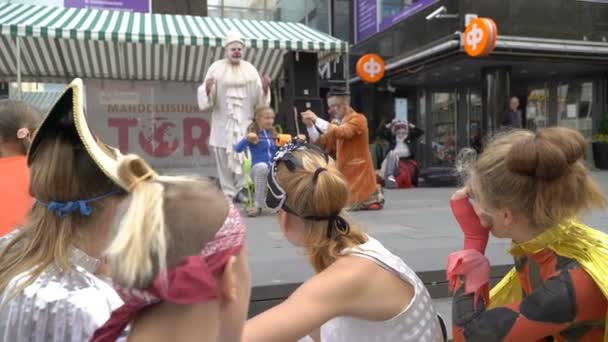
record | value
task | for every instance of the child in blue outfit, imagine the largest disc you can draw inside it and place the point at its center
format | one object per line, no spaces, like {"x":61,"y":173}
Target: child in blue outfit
{"x":261,"y":141}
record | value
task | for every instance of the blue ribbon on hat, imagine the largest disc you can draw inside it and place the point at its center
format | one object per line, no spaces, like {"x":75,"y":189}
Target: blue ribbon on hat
{"x":64,"y":208}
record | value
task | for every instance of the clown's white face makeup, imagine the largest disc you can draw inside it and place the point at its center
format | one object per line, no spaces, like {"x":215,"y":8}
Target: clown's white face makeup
{"x":401,"y":134}
{"x":234,"y":52}
{"x":338,"y":106}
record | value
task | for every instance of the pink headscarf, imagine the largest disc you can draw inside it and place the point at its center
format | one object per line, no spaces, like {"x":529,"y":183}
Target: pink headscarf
{"x":193,"y":281}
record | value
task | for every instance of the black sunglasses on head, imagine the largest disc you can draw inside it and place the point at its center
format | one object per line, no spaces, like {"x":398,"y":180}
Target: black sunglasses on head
{"x":276,"y":197}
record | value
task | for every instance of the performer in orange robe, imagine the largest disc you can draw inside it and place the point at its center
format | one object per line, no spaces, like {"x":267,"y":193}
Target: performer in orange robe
{"x":351,"y":141}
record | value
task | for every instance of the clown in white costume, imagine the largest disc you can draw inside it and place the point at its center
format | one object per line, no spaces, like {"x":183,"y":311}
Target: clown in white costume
{"x":232,"y":89}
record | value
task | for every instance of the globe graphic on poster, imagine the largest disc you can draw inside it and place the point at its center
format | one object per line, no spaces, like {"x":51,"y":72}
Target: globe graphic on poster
{"x":158,"y":137}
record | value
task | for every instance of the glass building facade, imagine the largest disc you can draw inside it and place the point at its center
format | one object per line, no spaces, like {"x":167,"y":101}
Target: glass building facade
{"x":447,"y":91}
{"x":329,"y":16}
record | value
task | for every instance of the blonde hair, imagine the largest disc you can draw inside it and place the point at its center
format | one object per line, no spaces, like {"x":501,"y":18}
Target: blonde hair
{"x":540,"y":175}
{"x":62,"y":172}
{"x":254,"y":127}
{"x":326,"y":196}
{"x":15,"y":115}
{"x":164,"y":219}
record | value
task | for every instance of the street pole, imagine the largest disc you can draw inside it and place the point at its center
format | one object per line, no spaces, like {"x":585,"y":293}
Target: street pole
{"x":347,"y":71}
{"x":18,"y":68}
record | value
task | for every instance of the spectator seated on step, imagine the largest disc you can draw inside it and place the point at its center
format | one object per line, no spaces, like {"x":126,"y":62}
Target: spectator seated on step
{"x":400,"y":168}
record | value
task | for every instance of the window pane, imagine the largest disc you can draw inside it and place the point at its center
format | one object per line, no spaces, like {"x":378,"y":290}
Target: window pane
{"x":318,"y":15}
{"x":421,"y":123}
{"x":574,"y":102}
{"x":537,"y":108}
{"x":341,"y":19}
{"x":443,"y":130}
{"x":293,"y":11}
{"x":389,"y":8}
{"x":243,"y":3}
{"x":474,"y":108}
{"x":244,"y":13}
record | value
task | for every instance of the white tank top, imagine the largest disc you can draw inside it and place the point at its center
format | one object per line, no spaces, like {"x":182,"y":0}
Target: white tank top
{"x":418,"y":322}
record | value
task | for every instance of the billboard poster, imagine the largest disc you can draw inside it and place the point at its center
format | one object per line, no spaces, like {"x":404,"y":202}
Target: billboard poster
{"x":159,"y":121}
{"x":366,"y":18}
{"x":122,"y":5}
{"x":369,"y":18}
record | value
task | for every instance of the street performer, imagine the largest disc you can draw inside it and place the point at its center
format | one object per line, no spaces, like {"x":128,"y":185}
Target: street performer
{"x":351,"y":141}
{"x":531,"y":187}
{"x":232,"y":89}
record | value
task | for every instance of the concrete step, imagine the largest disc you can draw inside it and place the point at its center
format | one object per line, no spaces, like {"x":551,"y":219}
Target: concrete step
{"x":265,"y":297}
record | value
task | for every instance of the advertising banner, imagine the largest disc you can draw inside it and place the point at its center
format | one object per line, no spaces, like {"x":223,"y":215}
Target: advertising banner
{"x":408,"y":11}
{"x":159,"y":121}
{"x":370,"y":21}
{"x":123,"y":5}
{"x":366,"y":14}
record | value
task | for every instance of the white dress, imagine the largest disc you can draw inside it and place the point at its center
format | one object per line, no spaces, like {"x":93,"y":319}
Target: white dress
{"x":57,"y":307}
{"x":418,"y":322}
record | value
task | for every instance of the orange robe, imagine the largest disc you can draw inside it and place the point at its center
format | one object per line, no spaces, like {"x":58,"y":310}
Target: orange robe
{"x":351,"y":141}
{"x":15,"y":200}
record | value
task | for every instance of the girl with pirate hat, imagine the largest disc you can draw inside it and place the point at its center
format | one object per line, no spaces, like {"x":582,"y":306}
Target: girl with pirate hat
{"x":98,"y":214}
{"x":361,"y":292}
{"x":51,"y":271}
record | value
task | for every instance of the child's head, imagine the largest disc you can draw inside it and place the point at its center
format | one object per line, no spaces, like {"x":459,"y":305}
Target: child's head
{"x":312,"y":193}
{"x":18,"y":121}
{"x":264,"y":117}
{"x":532,"y":180}
{"x":172,"y":226}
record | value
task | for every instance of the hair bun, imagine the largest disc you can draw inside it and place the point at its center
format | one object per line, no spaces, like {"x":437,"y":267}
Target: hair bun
{"x":133,"y":170}
{"x":569,"y":141}
{"x":548,"y":155}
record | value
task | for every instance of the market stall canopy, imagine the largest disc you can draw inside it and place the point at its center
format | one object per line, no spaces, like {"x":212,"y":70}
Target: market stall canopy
{"x":57,"y":42}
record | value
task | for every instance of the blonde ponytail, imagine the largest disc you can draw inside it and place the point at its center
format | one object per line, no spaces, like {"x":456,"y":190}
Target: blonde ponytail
{"x":319,"y":189}
{"x":139,"y":246}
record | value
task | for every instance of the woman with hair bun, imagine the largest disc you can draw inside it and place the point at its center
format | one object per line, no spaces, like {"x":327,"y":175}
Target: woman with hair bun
{"x":531,"y":188}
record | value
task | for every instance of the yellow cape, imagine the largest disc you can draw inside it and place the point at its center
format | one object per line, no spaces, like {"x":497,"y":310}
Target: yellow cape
{"x":573,"y":240}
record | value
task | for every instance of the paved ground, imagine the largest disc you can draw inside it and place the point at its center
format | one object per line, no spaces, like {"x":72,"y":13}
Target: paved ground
{"x":416,"y":224}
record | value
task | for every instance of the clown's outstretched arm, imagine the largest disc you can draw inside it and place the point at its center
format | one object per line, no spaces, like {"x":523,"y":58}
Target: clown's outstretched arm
{"x":207,"y":91}
{"x":264,"y":91}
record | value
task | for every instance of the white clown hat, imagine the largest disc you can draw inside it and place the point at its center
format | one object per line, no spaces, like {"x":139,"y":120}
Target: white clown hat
{"x":233,"y":36}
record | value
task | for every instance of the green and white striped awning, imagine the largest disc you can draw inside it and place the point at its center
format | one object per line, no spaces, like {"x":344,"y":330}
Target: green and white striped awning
{"x":58,"y":42}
